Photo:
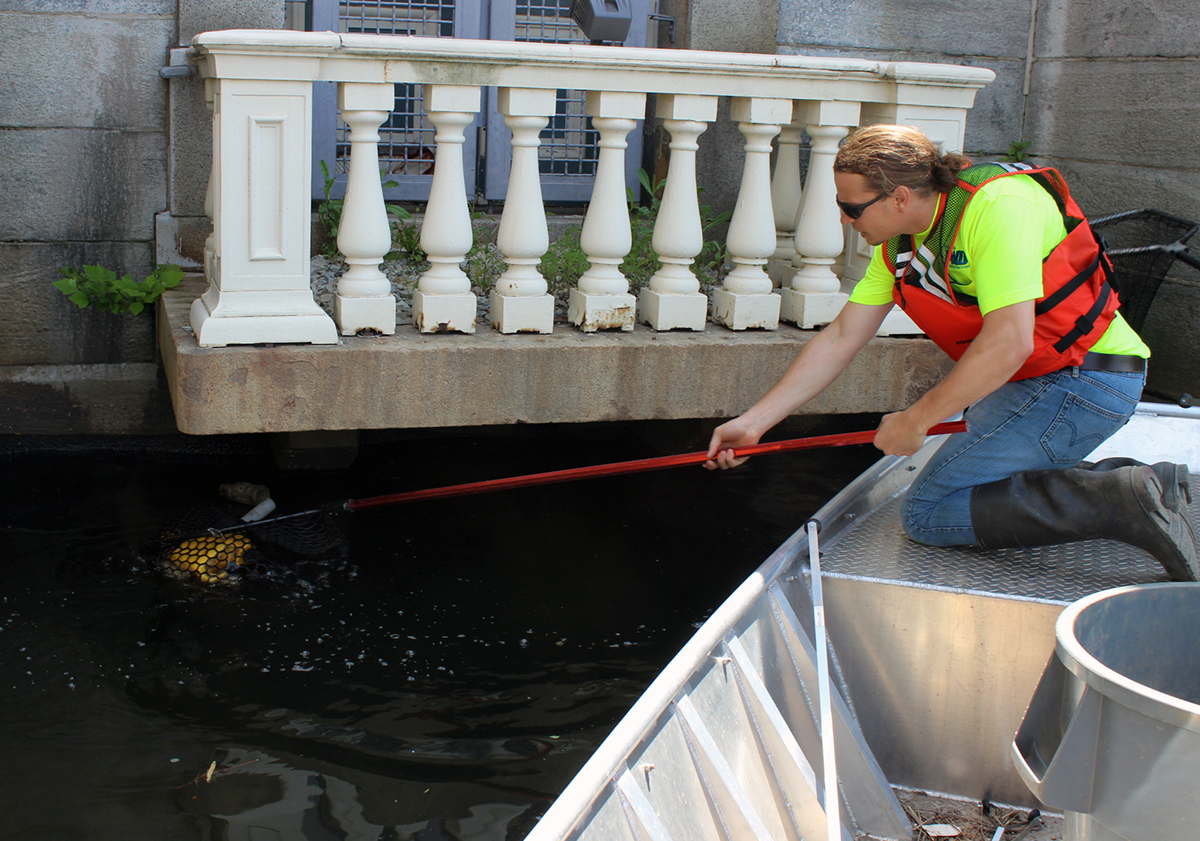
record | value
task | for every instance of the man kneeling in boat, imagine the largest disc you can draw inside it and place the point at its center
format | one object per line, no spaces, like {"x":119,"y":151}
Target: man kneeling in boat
{"x":997,"y":264}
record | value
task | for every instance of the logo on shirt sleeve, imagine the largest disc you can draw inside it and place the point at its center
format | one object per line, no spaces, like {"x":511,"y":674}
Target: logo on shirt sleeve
{"x":958,"y":260}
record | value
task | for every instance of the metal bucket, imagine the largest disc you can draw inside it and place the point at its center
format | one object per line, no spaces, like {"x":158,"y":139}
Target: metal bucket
{"x":1112,"y":734}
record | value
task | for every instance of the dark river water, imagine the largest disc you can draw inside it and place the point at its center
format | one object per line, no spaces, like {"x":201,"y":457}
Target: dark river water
{"x":442,"y":675}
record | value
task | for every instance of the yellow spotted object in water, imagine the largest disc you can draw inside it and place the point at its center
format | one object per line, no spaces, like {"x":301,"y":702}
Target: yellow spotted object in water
{"x":209,"y":558}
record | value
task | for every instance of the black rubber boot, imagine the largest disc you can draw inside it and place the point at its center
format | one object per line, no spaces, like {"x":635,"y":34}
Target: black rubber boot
{"x":1174,"y":478}
{"x":1047,"y":507}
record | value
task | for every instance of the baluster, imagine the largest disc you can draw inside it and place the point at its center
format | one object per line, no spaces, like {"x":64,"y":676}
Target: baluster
{"x":746,"y":300}
{"x":519,"y":302}
{"x":785,"y":199}
{"x":673,"y":299}
{"x":443,"y":299}
{"x":364,"y":295}
{"x":602,"y":300}
{"x":815,"y":295}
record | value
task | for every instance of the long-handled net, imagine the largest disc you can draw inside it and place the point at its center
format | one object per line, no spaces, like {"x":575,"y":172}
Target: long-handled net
{"x":213,"y":546}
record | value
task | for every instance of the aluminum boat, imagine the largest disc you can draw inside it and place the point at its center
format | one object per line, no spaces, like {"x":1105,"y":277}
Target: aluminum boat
{"x":932,"y":658}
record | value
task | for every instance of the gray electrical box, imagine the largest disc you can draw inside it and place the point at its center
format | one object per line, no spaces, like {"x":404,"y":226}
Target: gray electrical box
{"x":602,"y":20}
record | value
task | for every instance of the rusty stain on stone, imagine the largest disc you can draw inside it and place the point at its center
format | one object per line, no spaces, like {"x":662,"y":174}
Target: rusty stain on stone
{"x":608,"y":318}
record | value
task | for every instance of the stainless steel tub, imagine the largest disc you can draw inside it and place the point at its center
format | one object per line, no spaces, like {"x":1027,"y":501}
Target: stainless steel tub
{"x":1112,"y":734}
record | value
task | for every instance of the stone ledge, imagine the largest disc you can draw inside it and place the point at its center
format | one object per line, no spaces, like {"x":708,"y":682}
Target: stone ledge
{"x":411,"y":380}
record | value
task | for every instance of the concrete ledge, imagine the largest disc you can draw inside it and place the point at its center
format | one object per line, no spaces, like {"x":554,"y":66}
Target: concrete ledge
{"x":412,"y":380}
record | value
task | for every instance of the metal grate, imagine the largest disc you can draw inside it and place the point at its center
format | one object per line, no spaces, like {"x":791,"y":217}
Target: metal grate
{"x":433,"y":18}
{"x":547,"y":22}
{"x":406,"y":138}
{"x":876,"y":548}
{"x":569,"y":143}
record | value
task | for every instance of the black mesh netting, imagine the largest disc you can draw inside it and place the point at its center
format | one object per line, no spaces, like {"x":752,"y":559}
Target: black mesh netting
{"x":1142,"y":245}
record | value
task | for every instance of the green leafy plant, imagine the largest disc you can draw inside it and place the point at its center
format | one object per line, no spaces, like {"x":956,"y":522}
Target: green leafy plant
{"x":406,"y":242}
{"x":642,"y":262}
{"x":1016,"y":151}
{"x":711,"y":259}
{"x":483,"y":263}
{"x":96,"y":286}
{"x":564,"y":263}
{"x":329,"y":214}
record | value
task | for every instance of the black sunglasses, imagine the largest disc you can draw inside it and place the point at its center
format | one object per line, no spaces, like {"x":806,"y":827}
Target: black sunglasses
{"x":856,"y":210}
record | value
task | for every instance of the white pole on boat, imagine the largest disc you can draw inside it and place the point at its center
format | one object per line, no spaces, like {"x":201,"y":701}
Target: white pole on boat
{"x":824,"y":697}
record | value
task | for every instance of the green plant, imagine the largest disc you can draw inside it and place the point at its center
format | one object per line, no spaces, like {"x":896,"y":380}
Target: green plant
{"x":406,"y":242}
{"x":99,"y":287}
{"x":711,"y":259}
{"x":564,"y":263}
{"x":641,"y":263}
{"x":1016,"y":151}
{"x":329,"y":214}
{"x":484,"y":264}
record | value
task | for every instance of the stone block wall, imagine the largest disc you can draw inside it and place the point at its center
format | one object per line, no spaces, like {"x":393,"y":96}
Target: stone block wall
{"x":95,"y":144}
{"x":988,"y":33}
{"x":1114,"y":89}
{"x":1114,"y":103}
{"x":84,"y":144}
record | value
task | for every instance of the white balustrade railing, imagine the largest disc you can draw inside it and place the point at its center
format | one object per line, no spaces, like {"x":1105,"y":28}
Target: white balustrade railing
{"x":259,"y":86}
{"x":364,"y":295}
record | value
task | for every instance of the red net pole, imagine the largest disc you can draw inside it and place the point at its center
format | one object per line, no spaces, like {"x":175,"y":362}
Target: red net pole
{"x":638,"y":466}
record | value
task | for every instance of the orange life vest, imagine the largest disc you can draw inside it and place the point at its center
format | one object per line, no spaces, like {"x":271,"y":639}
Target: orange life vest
{"x":1077,"y":302}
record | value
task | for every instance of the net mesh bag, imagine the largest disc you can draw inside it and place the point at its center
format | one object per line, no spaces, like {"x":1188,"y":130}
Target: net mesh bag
{"x":212,"y":546}
{"x":1142,"y":246}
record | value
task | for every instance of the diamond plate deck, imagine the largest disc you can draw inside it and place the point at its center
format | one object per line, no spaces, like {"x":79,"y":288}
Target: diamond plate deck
{"x":876,"y":548}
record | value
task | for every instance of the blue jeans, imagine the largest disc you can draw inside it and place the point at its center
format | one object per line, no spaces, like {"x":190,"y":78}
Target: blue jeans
{"x":1051,"y":421}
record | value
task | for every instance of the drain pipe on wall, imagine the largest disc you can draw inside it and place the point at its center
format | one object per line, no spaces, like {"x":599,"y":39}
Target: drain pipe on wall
{"x":1029,"y":48}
